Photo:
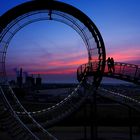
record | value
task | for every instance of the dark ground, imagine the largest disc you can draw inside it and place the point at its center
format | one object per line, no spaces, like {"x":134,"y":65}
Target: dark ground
{"x":112,"y":118}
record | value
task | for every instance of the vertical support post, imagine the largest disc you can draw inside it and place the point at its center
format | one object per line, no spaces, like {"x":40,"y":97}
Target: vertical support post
{"x":123,"y":69}
{"x":135,"y":75}
{"x":50,"y":14}
{"x":85,"y":121}
{"x":130,"y":124}
{"x":93,"y":116}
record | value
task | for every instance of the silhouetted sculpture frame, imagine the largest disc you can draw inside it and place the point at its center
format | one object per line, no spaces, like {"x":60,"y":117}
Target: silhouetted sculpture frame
{"x":75,"y":19}
{"x":97,"y":63}
{"x":13,"y":16}
{"x":123,"y":71}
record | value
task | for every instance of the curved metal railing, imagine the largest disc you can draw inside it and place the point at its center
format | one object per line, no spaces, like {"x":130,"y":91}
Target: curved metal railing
{"x":10,"y":120}
{"x":13,"y":21}
{"x":81,"y":24}
{"x":123,"y":71}
{"x":89,"y":35}
{"x":29,"y":117}
{"x":90,"y":69}
{"x":55,"y":113}
{"x":120,"y":98}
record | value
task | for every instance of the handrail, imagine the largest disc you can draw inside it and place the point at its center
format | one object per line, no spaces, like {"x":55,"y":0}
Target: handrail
{"x":59,"y":110}
{"x":12,"y":112}
{"x":62,"y":103}
{"x":123,"y":99}
{"x":30,"y":116}
{"x":123,"y":71}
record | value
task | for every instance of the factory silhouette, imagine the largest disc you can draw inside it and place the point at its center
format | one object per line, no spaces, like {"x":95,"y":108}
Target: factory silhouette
{"x":25,"y":81}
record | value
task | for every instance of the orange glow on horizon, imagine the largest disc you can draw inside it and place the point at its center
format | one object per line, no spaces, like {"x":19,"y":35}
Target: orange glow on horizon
{"x":53,"y":72}
{"x":56,"y":67}
{"x":127,"y":55}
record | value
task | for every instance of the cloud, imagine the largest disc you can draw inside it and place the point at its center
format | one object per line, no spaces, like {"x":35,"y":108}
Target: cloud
{"x":65,"y":62}
{"x":59,"y":71}
{"x":126,"y":54}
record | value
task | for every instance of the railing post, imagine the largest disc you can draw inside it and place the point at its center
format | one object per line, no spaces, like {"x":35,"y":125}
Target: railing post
{"x":120,"y":68}
{"x":123,"y":69}
{"x":81,"y":70}
{"x":135,"y":72}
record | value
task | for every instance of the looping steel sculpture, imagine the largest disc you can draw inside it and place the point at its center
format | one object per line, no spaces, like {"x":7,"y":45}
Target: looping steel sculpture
{"x":19,"y":17}
{"x":12,"y":21}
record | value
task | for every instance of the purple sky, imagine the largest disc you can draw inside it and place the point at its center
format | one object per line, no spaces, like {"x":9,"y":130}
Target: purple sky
{"x":56,"y":49}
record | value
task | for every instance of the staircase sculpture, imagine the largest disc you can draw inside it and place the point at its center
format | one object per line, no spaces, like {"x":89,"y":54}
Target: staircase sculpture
{"x":13,"y":116}
{"x":123,"y":71}
{"x":10,"y":23}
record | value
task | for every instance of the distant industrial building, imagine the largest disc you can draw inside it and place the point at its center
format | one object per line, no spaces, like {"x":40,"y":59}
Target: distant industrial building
{"x":30,"y":81}
{"x":38,"y":81}
{"x":20,"y":78}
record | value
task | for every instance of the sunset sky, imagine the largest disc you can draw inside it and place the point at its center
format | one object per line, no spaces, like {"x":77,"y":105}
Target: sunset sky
{"x":56,"y":50}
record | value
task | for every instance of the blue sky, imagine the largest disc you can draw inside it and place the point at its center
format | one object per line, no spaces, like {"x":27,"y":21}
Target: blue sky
{"x":117,"y":20}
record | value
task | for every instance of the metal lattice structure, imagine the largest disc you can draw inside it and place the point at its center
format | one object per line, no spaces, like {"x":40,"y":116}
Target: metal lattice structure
{"x":11,"y":22}
{"x":123,"y":71}
{"x":13,"y":116}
